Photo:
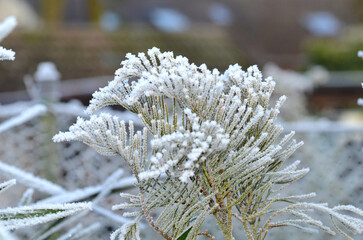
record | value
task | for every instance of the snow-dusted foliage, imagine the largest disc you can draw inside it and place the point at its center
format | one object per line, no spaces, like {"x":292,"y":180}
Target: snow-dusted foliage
{"x":6,"y":27}
{"x":215,"y":150}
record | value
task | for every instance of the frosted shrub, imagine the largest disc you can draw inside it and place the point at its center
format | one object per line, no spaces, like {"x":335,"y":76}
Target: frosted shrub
{"x":215,"y":150}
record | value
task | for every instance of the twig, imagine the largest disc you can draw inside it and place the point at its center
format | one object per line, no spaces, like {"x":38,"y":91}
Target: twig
{"x":206,"y":234}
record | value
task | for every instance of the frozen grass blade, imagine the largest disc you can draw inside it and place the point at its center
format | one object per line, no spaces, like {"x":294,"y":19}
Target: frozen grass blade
{"x":13,"y":218}
{"x":30,"y":180}
{"x":4,"y":186}
{"x":25,"y":116}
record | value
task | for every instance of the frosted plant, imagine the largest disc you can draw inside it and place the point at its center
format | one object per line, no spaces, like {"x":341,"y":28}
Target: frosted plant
{"x":215,"y":151}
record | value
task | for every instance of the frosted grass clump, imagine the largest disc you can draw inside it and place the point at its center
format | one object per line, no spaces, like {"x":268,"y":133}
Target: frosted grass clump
{"x":215,"y":150}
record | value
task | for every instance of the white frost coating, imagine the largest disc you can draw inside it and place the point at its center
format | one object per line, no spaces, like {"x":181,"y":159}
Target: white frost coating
{"x":355,"y":224}
{"x":80,"y":130}
{"x":123,"y":232}
{"x":30,"y":180}
{"x":59,"y":211}
{"x":160,"y":74}
{"x":23,"y":117}
{"x":7,"y":184}
{"x":47,"y":71}
{"x":205,"y":139}
{"x":6,"y":54}
{"x":104,"y":133}
{"x":348,"y":208}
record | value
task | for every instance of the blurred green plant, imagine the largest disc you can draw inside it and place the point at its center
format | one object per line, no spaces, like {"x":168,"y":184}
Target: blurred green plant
{"x":336,"y":54}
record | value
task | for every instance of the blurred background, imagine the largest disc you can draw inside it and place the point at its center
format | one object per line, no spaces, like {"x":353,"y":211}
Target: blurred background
{"x":309,"y":47}
{"x":89,"y":38}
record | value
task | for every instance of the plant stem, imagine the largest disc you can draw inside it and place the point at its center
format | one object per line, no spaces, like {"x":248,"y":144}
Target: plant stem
{"x":224,"y":229}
